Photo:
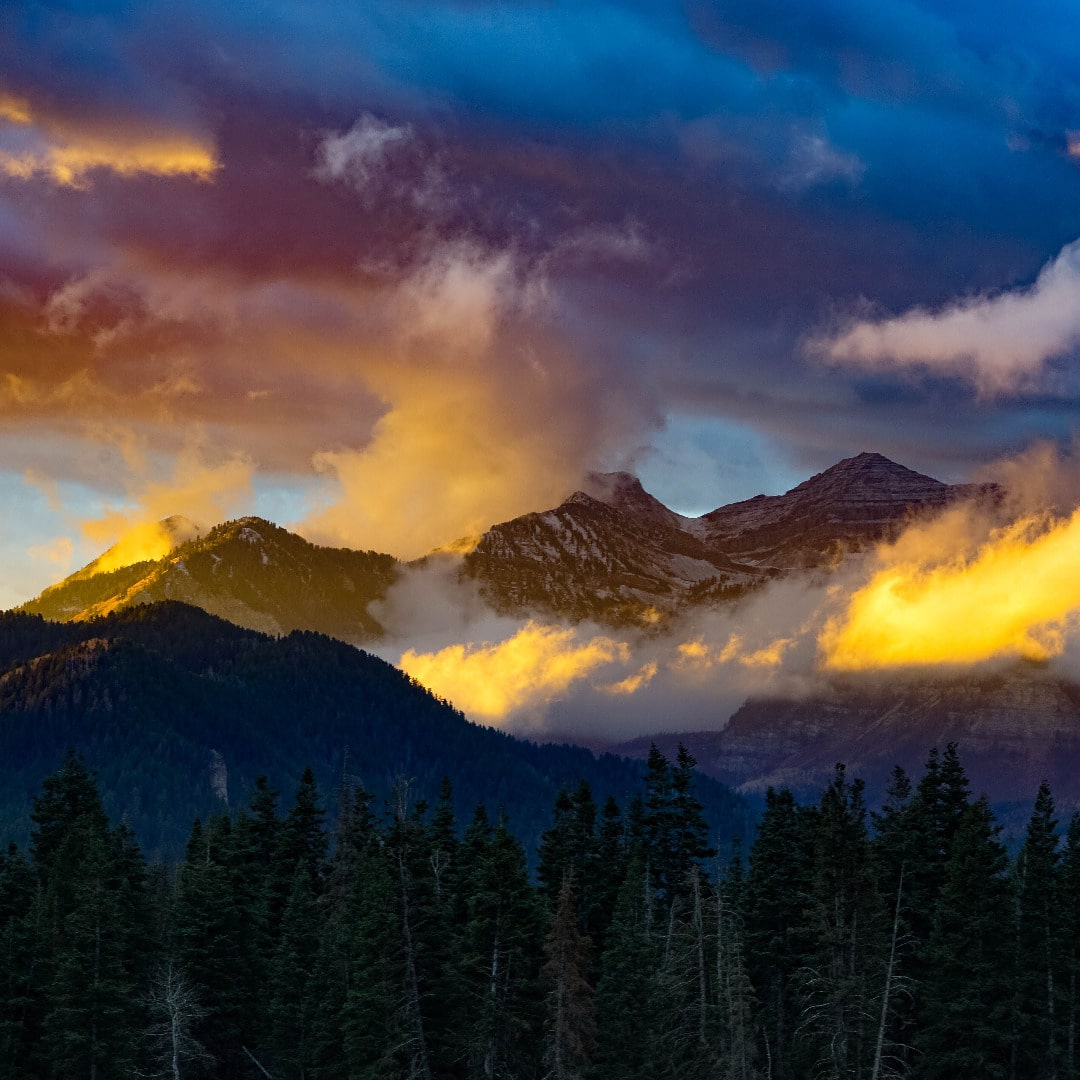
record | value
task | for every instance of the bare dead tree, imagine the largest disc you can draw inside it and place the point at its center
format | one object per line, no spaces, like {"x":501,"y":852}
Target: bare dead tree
{"x":175,"y":1012}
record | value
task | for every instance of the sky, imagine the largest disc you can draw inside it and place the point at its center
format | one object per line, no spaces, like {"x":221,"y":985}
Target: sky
{"x":390,"y":272}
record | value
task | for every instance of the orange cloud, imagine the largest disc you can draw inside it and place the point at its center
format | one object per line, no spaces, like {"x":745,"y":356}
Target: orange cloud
{"x":43,"y":146}
{"x":534,"y":667}
{"x":632,"y":683}
{"x":477,"y":428}
{"x":14,"y":110}
{"x":945,"y":595}
{"x":697,"y":655}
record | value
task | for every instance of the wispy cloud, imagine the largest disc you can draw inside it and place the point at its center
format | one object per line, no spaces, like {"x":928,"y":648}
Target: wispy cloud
{"x":1000,"y":342}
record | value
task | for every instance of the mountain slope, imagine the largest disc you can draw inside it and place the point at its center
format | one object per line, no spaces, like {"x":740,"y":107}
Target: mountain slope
{"x":1013,"y":729}
{"x":165,"y":700}
{"x":247,"y":571}
{"x":617,"y":555}
{"x":589,"y":558}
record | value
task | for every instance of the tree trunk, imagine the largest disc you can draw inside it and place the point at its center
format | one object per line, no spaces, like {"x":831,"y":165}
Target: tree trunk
{"x":876,"y":1071}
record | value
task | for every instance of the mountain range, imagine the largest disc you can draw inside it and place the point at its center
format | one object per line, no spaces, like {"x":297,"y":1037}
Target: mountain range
{"x":611,"y":553}
{"x":1014,"y":728}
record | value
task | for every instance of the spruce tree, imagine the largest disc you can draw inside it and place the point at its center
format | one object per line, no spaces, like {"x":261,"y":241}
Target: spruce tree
{"x":22,"y":943}
{"x":501,"y":955}
{"x":1069,"y":915}
{"x":841,"y":972}
{"x":777,"y":891}
{"x":966,"y":1022}
{"x":93,"y":1017}
{"x":627,"y":993}
{"x":1038,"y":944}
{"x":292,"y":997}
{"x":736,"y":1002}
{"x":570,"y":1022}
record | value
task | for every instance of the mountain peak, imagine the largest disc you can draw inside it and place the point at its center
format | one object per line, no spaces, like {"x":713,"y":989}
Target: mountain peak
{"x":870,"y":476}
{"x":623,"y":491}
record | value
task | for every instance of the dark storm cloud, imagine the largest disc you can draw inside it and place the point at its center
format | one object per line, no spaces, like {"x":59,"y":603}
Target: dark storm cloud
{"x":664,"y":201}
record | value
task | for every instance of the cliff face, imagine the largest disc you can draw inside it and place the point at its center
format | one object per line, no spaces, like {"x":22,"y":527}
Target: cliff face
{"x":1013,"y":730}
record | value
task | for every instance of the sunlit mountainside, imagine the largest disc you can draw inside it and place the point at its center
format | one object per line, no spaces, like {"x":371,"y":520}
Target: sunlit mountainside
{"x":248,"y":571}
{"x":612,"y":554}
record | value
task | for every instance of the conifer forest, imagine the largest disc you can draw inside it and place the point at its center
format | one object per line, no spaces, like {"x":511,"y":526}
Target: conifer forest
{"x":399,"y":942}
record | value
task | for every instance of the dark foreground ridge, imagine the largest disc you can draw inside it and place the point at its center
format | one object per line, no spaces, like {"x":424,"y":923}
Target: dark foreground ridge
{"x":179,"y":711}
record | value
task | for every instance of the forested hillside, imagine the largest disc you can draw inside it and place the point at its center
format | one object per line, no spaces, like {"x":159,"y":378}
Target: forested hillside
{"x":179,"y":712}
{"x":405,"y":945}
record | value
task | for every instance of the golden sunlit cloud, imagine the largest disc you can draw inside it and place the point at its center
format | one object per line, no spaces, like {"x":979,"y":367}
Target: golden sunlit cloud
{"x":532,"y":668}
{"x":196,"y":492}
{"x":477,"y":428}
{"x":67,"y":156}
{"x":1009,"y":595}
{"x":698,"y":655}
{"x":14,"y":110}
{"x":69,"y":164}
{"x":632,"y":683}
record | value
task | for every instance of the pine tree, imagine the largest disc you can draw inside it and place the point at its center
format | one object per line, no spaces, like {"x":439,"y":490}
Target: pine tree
{"x":207,"y":935}
{"x":1069,"y":916}
{"x":66,"y":796}
{"x":302,"y":839}
{"x":777,"y":891}
{"x":22,"y":946}
{"x":965,"y":1023}
{"x":841,"y":973}
{"x":1038,"y":943}
{"x":736,"y":1001}
{"x":93,"y":1017}
{"x":501,"y":955}
{"x":371,"y":1019}
{"x":627,"y":994}
{"x":570,"y":1023}
{"x":292,"y":997}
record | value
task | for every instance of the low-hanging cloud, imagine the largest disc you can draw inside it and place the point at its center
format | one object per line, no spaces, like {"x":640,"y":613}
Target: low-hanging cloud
{"x":491,"y":680}
{"x":987,"y":580}
{"x":1000,"y":342}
